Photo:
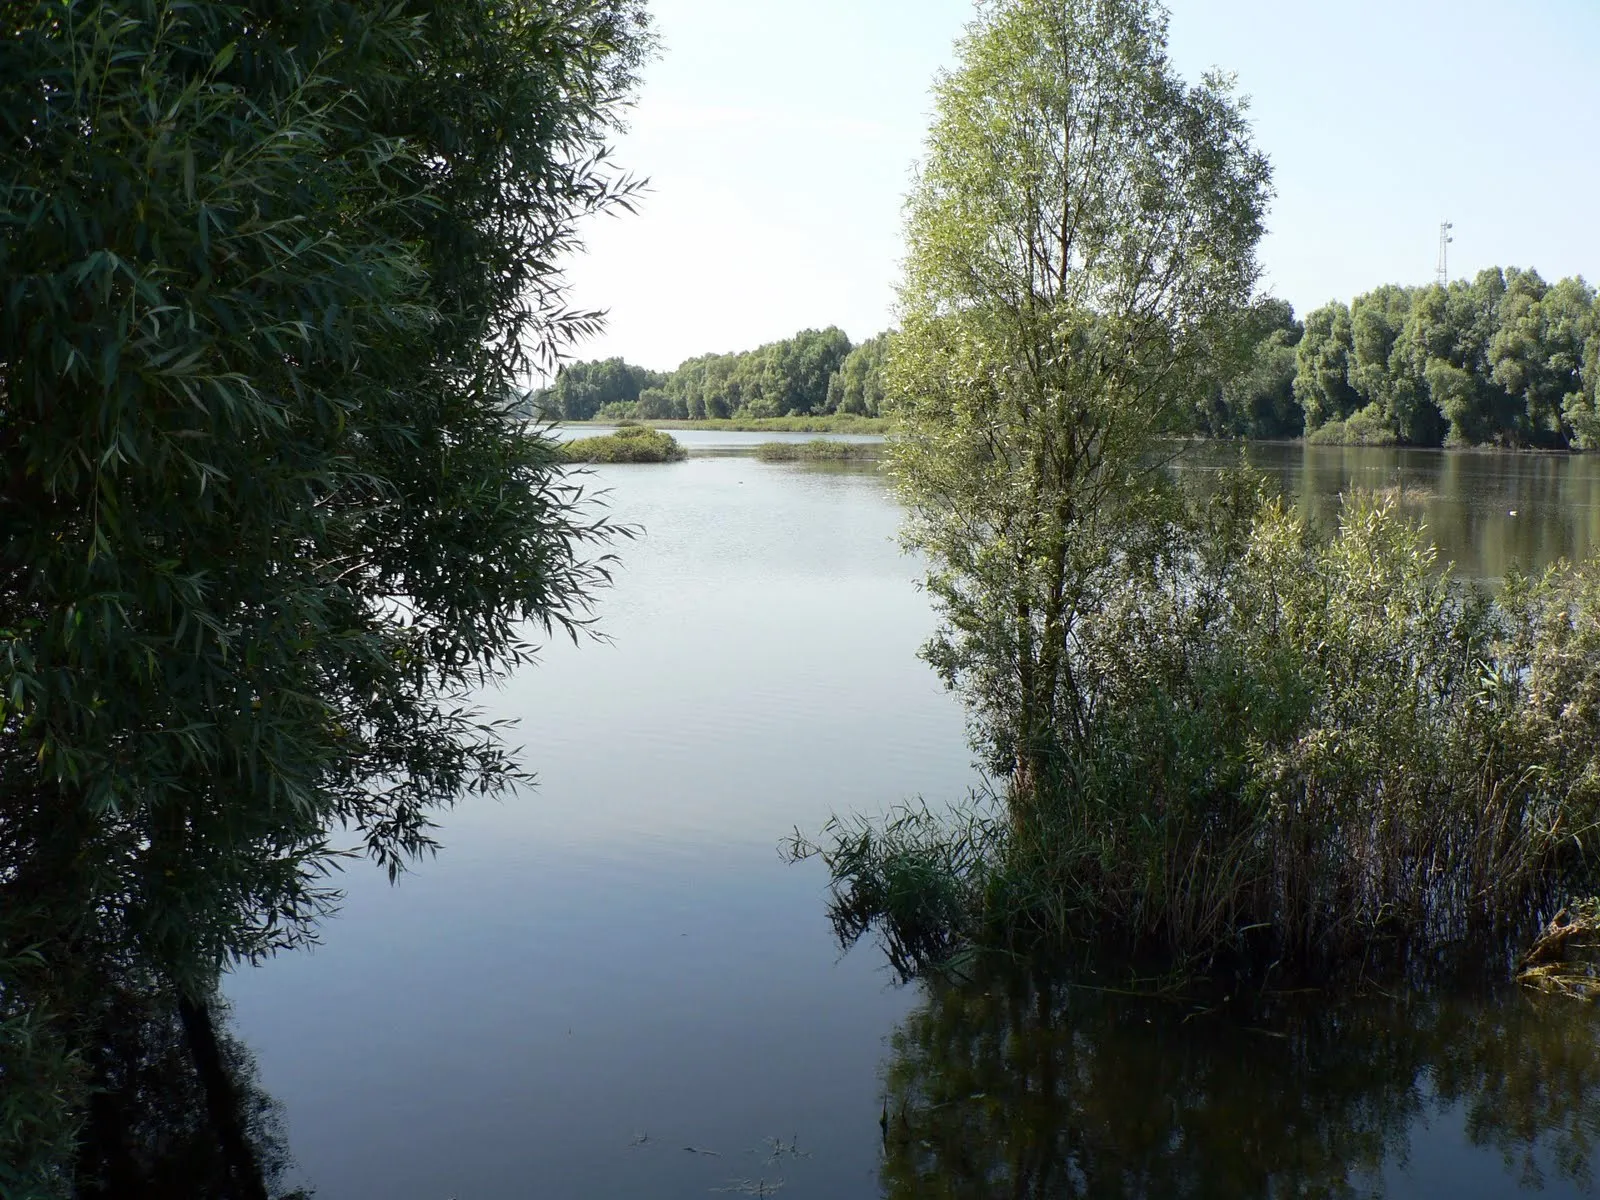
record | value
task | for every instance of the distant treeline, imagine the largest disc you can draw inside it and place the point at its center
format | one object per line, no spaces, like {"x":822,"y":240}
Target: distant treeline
{"x":812,"y":372}
{"x":1505,"y":359}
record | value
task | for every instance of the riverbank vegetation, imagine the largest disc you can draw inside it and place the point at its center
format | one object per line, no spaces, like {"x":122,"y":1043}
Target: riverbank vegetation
{"x":1503,"y":360}
{"x":1216,"y":732}
{"x":271,"y":273}
{"x":1275,"y":745}
{"x":818,"y":450}
{"x":630,"y":444}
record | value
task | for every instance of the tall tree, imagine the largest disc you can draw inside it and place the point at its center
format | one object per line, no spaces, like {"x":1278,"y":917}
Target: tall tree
{"x":857,"y":387}
{"x":1395,"y":394}
{"x":271,"y":273}
{"x":582,"y":389}
{"x":1582,"y":408}
{"x":1082,"y":227}
{"x":1463,"y":318}
{"x":1536,"y":352}
{"x":1322,"y":380}
{"x":1257,"y":401}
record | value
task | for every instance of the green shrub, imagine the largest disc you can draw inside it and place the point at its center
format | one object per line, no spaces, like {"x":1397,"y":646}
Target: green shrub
{"x":1313,"y":750}
{"x":1364,"y":428}
{"x":629,"y":444}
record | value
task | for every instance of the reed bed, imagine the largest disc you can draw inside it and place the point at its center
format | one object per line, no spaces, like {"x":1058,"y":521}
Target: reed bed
{"x":1293,"y":750}
{"x":819,"y":450}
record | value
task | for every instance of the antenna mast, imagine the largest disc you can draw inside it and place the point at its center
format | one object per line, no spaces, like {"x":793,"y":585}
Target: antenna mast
{"x":1443,"y":273}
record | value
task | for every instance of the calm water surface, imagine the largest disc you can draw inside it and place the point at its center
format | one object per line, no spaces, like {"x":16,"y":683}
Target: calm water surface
{"x":719,"y":441}
{"x":1486,"y":512}
{"x":612,"y":986}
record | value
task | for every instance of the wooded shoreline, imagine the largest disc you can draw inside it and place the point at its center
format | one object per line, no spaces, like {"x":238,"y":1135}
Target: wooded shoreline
{"x":884,"y":426}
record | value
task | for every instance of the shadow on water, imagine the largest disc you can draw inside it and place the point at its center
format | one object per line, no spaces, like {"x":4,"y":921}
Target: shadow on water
{"x":175,"y":1111}
{"x":1008,"y":1086}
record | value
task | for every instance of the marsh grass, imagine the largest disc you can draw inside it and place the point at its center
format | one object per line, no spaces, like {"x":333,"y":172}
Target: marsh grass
{"x":819,"y":450}
{"x":1291,"y":750}
{"x":629,"y":444}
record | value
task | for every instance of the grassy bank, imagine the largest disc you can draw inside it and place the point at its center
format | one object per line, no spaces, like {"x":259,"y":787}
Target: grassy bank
{"x":819,"y":450}
{"x":630,"y":444}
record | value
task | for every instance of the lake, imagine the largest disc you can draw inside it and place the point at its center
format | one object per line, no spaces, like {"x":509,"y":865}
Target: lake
{"x":612,"y":985}
{"x":1485,"y":511}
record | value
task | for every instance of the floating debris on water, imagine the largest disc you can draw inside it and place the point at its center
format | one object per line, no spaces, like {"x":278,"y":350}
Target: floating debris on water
{"x":1562,"y":959}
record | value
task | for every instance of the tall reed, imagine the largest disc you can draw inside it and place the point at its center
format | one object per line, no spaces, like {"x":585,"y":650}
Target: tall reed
{"x":1295,"y":748}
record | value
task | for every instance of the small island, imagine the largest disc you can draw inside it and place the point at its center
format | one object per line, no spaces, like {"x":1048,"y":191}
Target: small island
{"x":629,"y":444}
{"x":819,"y":450}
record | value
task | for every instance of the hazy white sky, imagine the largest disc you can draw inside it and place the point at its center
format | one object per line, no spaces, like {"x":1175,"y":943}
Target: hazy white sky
{"x":779,"y":134}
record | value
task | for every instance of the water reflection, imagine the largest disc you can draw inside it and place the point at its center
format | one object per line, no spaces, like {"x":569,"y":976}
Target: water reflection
{"x":160,"y":1125}
{"x":1486,"y":512}
{"x":623,"y":954}
{"x":1015,"y":1087}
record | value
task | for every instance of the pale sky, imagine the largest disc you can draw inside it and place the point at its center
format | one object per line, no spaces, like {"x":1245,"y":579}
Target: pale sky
{"x":778,"y":136}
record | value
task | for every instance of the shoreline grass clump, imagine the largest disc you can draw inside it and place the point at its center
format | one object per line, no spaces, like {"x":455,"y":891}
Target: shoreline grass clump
{"x":629,"y":444}
{"x":1282,"y":750}
{"x":819,"y":450}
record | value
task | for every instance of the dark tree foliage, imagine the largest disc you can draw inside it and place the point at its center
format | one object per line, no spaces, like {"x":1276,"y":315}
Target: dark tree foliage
{"x":582,"y":389}
{"x":269,"y":272}
{"x":1258,"y":401}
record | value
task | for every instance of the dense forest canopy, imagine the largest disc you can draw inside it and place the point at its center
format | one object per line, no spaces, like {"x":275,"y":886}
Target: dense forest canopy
{"x":1504,"y":359}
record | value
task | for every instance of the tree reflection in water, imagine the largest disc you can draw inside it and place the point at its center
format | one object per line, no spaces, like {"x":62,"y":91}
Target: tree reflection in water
{"x":1012,"y":1087}
{"x":155,"y":1130}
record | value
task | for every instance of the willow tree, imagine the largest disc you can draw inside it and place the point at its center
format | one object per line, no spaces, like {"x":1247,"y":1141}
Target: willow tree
{"x":271,"y":273}
{"x":1081,"y":233}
